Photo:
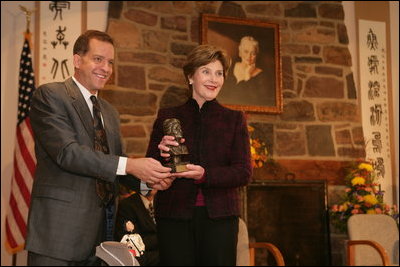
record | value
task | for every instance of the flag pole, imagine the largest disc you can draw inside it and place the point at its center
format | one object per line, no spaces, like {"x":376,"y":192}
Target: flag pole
{"x":28,"y":14}
{"x":27,"y":36}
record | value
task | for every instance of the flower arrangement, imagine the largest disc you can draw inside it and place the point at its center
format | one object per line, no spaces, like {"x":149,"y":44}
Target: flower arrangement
{"x":258,"y":150}
{"x":363,"y":195}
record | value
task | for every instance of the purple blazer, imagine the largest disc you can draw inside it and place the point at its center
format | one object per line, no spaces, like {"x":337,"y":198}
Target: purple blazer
{"x":218,"y":140}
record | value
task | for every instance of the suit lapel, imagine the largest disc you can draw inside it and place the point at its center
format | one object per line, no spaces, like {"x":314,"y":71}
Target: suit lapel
{"x":81,"y":106}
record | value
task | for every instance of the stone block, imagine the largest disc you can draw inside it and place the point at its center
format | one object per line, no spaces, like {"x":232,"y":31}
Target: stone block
{"x":128,"y":102}
{"x":324,"y":87}
{"x":132,"y":77}
{"x":136,"y":146}
{"x":351,"y":87}
{"x":155,"y":40}
{"x":141,"y":17}
{"x":177,"y":23}
{"x":290,"y":144}
{"x":338,"y":111}
{"x":162,"y":74}
{"x":125,"y":34}
{"x":319,"y":140}
{"x":301,"y":10}
{"x":343,"y":137}
{"x":298,"y":111}
{"x":329,"y":70}
{"x":315,"y":35}
{"x":132,"y":131}
{"x":337,"y":55}
{"x":331,"y":11}
{"x":272,"y":10}
{"x":142,"y":57}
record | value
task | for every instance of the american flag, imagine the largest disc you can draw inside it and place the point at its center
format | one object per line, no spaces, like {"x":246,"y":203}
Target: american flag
{"x":24,"y":158}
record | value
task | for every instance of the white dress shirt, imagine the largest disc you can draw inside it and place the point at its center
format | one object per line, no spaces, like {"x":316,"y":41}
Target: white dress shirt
{"x":121,"y":170}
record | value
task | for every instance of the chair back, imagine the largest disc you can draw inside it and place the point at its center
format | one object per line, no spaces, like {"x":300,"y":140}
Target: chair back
{"x":246,"y":255}
{"x":378,"y":228}
{"x":242,"y":255}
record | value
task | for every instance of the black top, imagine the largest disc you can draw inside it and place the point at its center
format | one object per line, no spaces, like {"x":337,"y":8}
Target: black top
{"x":258,"y":91}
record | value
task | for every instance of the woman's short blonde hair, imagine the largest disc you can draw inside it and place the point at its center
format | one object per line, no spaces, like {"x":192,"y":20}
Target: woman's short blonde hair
{"x":203,"y":55}
{"x":251,"y":40}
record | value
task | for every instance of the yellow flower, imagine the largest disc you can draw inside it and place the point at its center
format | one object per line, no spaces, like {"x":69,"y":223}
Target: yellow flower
{"x":252,"y":150}
{"x":358,"y":180}
{"x":371,"y":211}
{"x":366,"y":166}
{"x":362,"y":196}
{"x":343,"y":207}
{"x":370,"y":199}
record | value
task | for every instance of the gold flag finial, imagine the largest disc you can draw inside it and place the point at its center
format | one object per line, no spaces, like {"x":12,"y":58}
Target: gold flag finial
{"x":28,"y":14}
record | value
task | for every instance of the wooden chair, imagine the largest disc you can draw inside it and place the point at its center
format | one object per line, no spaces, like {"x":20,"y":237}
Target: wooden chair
{"x":373,"y":240}
{"x":271,"y":249}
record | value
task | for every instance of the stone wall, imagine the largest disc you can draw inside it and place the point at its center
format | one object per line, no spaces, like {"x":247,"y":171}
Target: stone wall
{"x":320,"y":127}
{"x":321,"y":118}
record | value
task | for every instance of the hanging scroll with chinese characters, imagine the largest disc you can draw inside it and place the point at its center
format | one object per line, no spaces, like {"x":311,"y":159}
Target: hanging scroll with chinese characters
{"x":374,"y":100}
{"x":60,"y":26}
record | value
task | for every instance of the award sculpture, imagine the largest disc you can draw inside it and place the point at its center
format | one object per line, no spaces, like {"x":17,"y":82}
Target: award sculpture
{"x":178,"y":153}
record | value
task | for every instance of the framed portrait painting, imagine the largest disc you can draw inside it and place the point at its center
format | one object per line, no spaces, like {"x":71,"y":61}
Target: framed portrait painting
{"x":254,"y":81}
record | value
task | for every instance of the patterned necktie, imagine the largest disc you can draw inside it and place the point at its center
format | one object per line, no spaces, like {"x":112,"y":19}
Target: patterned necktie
{"x":104,"y":189}
{"x":151,"y":211}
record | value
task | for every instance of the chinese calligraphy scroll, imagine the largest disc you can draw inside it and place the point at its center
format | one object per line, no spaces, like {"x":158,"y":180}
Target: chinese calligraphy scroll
{"x":60,"y":26}
{"x":374,"y":100}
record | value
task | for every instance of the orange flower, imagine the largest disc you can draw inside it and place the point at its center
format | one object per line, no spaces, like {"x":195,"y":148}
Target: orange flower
{"x":355,"y":211}
{"x":258,"y":151}
{"x":378,"y":210}
{"x":362,"y":195}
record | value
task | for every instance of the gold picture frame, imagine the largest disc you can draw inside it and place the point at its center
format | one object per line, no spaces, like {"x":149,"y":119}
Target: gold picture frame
{"x":257,"y":87}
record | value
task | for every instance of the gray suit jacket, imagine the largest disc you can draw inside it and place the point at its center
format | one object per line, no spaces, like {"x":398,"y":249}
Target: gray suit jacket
{"x":66,"y":215}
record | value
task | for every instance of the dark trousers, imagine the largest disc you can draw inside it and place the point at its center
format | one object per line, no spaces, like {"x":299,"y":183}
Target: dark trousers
{"x":200,"y":241}
{"x":35,"y":259}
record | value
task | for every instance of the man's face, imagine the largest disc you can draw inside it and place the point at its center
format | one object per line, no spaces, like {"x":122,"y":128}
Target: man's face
{"x":95,"y":67}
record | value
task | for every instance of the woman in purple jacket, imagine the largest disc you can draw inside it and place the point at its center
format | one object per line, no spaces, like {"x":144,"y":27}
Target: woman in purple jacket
{"x":197,"y":217}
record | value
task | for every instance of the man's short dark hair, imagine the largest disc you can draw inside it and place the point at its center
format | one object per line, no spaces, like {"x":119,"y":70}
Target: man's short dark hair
{"x":81,"y":46}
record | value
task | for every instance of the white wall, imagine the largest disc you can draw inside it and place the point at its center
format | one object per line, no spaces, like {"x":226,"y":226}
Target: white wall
{"x":13,"y":25}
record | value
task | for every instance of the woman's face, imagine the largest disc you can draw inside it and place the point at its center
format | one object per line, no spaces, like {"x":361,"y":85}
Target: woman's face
{"x":248,"y":52}
{"x":207,"y":82}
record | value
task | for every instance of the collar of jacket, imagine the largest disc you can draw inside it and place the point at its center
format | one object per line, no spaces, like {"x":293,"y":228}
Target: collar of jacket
{"x":207,"y":105}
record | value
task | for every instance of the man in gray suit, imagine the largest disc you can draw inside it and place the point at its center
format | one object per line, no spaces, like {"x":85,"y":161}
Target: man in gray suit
{"x":67,"y":215}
